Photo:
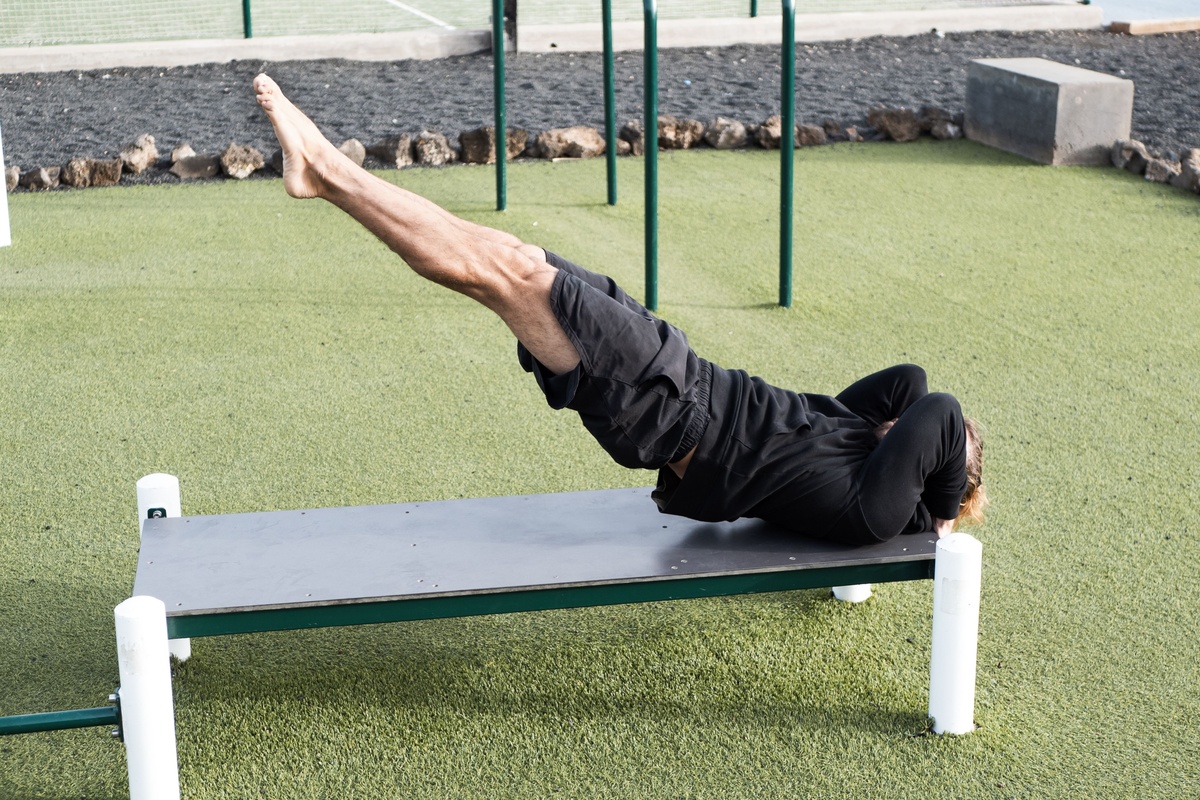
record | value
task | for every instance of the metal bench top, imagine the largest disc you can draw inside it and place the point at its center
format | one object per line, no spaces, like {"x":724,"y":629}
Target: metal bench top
{"x":275,"y":570}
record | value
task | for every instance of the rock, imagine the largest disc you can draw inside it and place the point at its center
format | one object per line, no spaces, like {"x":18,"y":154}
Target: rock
{"x":770,"y":132}
{"x":724,"y":133}
{"x":40,"y":178}
{"x":11,"y":176}
{"x":810,"y":136}
{"x":433,"y":149}
{"x":1180,"y":182}
{"x":679,"y":134}
{"x":945,"y":129}
{"x":196,"y":167}
{"x":632,"y":132}
{"x":1159,"y":170}
{"x":578,"y":141}
{"x":834,"y":132}
{"x":623,"y":147}
{"x":932,"y":115}
{"x":84,"y":172}
{"x":182,"y":151}
{"x":77,"y":173}
{"x":394,"y":151}
{"x":1189,"y":171}
{"x":140,"y":155}
{"x":107,"y":173}
{"x":1130,"y":154}
{"x":241,"y":161}
{"x":353,"y":149}
{"x":479,"y":146}
{"x":515,"y":140}
{"x":898,"y":124}
{"x":276,"y":162}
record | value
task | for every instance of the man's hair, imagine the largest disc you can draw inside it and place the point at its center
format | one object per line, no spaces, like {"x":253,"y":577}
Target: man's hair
{"x":974,"y":499}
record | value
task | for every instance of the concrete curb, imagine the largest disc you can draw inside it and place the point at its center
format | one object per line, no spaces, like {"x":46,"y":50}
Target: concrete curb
{"x":809,"y":27}
{"x":355,"y":47}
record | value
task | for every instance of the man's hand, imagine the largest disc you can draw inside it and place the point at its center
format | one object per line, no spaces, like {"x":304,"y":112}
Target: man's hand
{"x":943,"y":527}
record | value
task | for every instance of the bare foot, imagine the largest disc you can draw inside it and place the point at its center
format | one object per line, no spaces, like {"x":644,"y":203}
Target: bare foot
{"x":308,"y":157}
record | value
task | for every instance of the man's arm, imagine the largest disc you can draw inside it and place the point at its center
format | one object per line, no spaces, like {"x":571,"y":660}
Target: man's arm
{"x":943,"y":527}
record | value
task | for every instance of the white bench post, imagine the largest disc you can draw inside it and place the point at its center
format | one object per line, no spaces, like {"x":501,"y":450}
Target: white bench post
{"x":853,"y":594}
{"x":147,"y":709}
{"x":957,"y":579}
{"x":5,"y":231}
{"x":158,"y":496}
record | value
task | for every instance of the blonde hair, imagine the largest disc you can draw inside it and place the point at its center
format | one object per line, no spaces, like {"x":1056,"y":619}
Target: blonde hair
{"x":974,"y":499}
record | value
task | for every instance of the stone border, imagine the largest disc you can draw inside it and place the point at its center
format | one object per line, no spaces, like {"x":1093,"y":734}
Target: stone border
{"x":433,"y":149}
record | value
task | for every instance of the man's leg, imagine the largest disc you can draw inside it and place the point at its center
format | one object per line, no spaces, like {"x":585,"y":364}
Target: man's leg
{"x":498,"y":270}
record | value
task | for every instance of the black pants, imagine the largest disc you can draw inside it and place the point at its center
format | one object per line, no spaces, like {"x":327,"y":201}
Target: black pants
{"x":639,"y":389}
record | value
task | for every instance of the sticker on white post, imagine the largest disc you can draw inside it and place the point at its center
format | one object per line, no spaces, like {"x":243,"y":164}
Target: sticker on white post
{"x":5,"y":231}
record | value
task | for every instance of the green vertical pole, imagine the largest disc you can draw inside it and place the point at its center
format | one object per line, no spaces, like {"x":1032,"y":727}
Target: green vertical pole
{"x":787,"y":161}
{"x":610,"y":104}
{"x":498,"y":90}
{"x":650,"y":135}
{"x":247,"y":28}
{"x":754,"y":8}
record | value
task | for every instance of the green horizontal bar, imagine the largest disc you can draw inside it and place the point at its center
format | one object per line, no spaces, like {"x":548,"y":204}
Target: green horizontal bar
{"x":59,"y":720}
{"x":221,"y":623}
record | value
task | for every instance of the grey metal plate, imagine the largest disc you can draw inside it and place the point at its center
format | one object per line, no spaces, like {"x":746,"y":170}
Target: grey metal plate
{"x":327,"y":556}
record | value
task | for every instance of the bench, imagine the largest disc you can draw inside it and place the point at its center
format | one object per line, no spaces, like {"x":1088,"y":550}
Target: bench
{"x":267,"y":571}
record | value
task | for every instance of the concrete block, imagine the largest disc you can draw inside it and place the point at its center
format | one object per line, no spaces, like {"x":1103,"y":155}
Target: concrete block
{"x":1045,"y":111}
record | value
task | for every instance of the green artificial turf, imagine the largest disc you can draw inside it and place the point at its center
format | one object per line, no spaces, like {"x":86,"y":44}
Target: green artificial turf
{"x":272,"y":355}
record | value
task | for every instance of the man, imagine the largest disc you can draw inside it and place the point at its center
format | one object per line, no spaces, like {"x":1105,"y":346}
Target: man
{"x":883,"y":457}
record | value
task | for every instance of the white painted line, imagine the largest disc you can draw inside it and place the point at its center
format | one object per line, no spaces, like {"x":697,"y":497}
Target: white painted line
{"x":421,"y":14}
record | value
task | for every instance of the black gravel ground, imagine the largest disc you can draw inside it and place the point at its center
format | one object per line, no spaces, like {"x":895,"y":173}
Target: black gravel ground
{"x":49,"y":118}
